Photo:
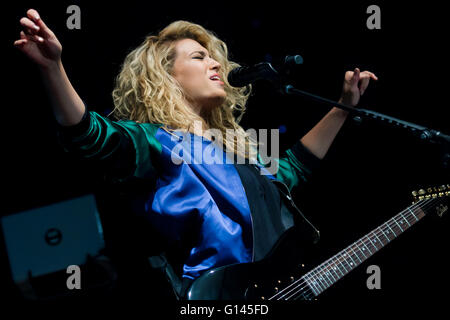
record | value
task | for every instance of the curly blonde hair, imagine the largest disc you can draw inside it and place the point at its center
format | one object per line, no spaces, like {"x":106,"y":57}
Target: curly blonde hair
{"x":146,"y":91}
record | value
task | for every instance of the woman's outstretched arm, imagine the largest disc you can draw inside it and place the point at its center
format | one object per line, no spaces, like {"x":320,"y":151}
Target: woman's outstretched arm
{"x":319,"y":139}
{"x":120,"y":148}
{"x":41,"y":46}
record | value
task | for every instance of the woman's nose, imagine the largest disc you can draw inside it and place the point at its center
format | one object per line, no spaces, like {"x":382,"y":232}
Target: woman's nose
{"x":215,"y":65}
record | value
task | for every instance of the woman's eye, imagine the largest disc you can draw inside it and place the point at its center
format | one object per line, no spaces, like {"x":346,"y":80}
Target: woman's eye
{"x":198,"y":57}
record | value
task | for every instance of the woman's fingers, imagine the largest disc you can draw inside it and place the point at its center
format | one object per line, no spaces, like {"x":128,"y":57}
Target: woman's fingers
{"x":34,"y":25}
{"x":355,"y":76}
{"x":34,"y":29}
{"x":372,"y":75}
{"x":25,"y":38}
{"x":20,"y":42}
{"x":29,"y":25}
{"x":33,"y":14}
{"x":44,"y":30}
{"x":369,"y":74}
{"x":365,"y":79}
{"x":364,"y":84}
{"x":31,"y":37}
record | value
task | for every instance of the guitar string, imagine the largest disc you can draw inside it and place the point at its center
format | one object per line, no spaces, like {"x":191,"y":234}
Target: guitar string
{"x":305,"y":280}
{"x":323,"y":266}
{"x":350,"y":255}
{"x":425,"y":204}
{"x":308,"y":287}
{"x":326,"y":266}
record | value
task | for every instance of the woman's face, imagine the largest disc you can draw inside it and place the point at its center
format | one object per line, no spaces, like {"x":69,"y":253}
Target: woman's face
{"x":194,"y":69}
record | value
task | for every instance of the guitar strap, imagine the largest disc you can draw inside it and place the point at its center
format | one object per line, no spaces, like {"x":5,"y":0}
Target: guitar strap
{"x":179,"y":286}
{"x":160,"y":263}
{"x":309,"y":233}
{"x":272,"y":212}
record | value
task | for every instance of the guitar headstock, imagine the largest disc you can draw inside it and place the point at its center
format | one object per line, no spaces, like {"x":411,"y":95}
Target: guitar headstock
{"x":433,"y":193}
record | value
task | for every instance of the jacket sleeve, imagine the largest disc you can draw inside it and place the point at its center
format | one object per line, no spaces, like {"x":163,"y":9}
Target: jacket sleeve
{"x":123,"y":149}
{"x":296,"y":165}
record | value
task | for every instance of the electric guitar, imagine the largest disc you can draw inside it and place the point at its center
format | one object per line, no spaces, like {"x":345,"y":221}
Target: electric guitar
{"x":280,"y":275}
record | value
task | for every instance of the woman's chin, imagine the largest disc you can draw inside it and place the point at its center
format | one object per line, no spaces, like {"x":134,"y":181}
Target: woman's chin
{"x":215,"y":102}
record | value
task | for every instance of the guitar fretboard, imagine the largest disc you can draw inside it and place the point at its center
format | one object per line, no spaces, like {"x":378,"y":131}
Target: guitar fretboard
{"x":327,"y":273}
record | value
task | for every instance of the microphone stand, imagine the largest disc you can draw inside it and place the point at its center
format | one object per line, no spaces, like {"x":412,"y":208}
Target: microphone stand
{"x":423,"y":133}
{"x":426,"y":134}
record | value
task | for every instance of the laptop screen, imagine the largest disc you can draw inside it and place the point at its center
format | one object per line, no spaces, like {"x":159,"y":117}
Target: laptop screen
{"x":49,"y":239}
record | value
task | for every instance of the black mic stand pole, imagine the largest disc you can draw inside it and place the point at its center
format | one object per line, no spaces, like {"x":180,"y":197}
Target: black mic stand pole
{"x":422,"y":132}
{"x":425,"y":134}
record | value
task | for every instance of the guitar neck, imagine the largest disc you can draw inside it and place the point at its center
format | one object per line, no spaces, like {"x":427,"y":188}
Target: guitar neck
{"x":325,"y":275}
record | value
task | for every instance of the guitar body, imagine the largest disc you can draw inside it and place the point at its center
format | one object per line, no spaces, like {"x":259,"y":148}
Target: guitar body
{"x":237,"y":281}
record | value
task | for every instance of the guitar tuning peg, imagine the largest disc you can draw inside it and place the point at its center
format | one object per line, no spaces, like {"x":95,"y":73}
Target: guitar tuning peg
{"x":422,"y":192}
{"x":414,"y":193}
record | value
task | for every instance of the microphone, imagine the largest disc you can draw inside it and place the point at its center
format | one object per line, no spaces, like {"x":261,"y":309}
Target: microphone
{"x":242,"y":76}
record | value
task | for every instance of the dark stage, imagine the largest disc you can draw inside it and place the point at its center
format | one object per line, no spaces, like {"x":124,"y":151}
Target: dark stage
{"x":365,"y":179}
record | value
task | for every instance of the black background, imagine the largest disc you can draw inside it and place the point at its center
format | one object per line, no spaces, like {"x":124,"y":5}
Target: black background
{"x":366,"y":177}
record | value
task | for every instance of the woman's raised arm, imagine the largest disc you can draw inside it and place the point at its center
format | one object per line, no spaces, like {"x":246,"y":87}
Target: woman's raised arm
{"x":41,"y":46}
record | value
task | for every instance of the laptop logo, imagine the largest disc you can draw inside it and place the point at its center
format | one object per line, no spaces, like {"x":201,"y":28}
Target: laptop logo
{"x":53,"y":237}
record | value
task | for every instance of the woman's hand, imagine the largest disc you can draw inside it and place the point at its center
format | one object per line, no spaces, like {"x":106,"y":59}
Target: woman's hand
{"x":355,"y":83}
{"x":38,"y":42}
